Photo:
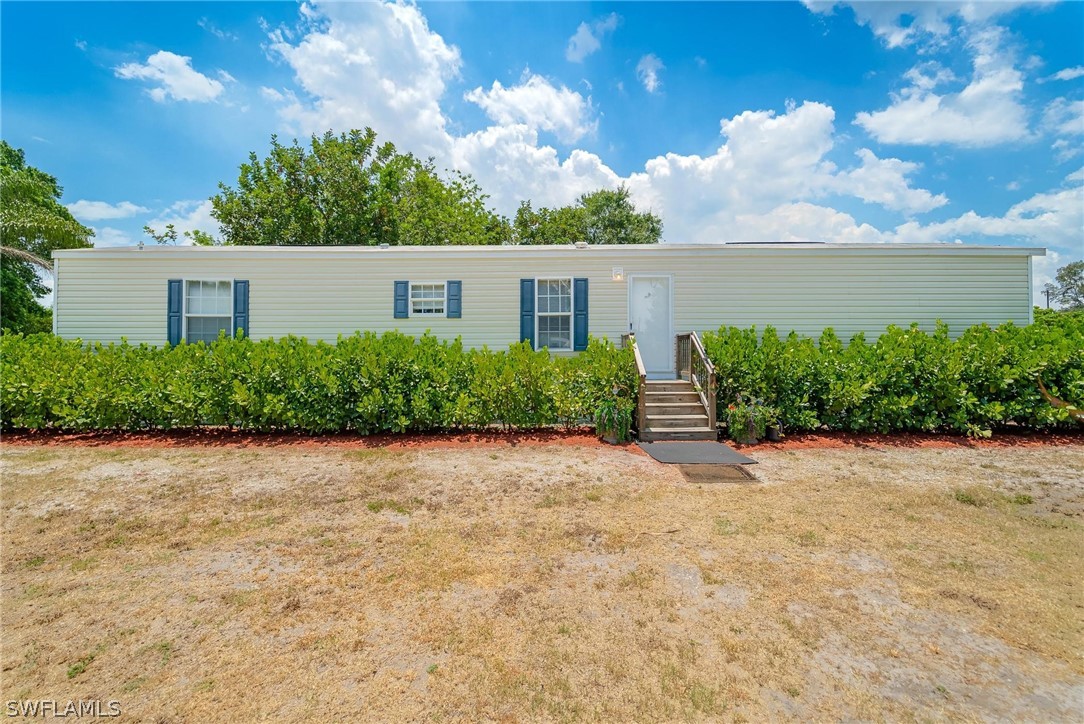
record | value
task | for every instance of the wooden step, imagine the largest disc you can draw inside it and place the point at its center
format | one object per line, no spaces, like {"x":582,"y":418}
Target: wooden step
{"x":674,"y":408}
{"x":666,"y":421}
{"x":670,"y":386}
{"x":672,"y":397}
{"x":652,"y":434}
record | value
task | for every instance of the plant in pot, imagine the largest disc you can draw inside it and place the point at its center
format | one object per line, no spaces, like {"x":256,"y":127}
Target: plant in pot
{"x":747,"y":421}
{"x":613,"y":418}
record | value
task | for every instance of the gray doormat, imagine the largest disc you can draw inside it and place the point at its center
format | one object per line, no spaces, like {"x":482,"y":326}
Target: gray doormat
{"x":685,"y":453}
{"x":702,"y":473}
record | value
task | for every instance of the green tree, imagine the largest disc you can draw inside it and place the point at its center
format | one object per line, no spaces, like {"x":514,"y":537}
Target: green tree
{"x":1067,"y":290}
{"x":611,"y":218}
{"x":33,"y":224}
{"x":347,"y":189}
{"x":606,"y":216}
{"x":564,"y":225}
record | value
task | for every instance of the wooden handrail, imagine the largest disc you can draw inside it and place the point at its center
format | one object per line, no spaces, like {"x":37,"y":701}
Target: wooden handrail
{"x":693,"y":364}
{"x":641,"y":371}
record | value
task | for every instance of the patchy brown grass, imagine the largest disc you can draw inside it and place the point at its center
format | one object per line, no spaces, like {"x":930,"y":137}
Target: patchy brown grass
{"x":539,"y":583}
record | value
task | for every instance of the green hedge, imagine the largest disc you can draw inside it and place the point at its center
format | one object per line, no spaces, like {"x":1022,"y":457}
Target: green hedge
{"x":364,"y":383}
{"x":908,"y":380}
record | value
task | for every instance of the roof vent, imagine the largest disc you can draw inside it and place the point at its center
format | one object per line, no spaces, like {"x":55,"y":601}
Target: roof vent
{"x":581,"y":244}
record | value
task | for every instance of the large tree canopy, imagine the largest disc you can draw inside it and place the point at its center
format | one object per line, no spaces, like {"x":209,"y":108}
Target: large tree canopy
{"x":33,"y":223}
{"x":605,"y":216}
{"x":346,"y":189}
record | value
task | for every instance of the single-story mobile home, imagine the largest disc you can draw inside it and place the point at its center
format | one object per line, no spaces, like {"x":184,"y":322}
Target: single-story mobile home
{"x":553,"y":296}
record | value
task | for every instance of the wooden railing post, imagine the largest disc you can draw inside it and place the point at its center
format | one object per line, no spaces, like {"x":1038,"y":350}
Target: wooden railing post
{"x":641,"y":391}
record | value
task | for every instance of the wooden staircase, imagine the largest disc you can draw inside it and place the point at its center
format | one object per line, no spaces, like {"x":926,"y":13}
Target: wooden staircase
{"x":673,"y":410}
{"x":682,"y":408}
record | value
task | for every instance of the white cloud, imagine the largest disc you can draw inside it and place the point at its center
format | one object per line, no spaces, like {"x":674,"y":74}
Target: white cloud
{"x":900,"y":24}
{"x":647,"y":70}
{"x":99,"y":210}
{"x":107,"y":236}
{"x":1064,"y":117}
{"x":988,"y":111}
{"x":883,"y":181}
{"x":216,"y":31}
{"x":802,"y":221}
{"x":1052,"y":218}
{"x":538,"y":104}
{"x":369,"y":64}
{"x":173,"y":77}
{"x":1064,"y":74}
{"x":185,"y":216}
{"x":588,"y":37}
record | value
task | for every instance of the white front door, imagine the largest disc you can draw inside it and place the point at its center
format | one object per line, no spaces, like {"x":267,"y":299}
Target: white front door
{"x":651,"y":320}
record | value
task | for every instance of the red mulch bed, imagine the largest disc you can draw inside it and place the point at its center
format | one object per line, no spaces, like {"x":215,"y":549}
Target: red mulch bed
{"x":1010,"y":438}
{"x":577,"y":436}
{"x":241,"y":439}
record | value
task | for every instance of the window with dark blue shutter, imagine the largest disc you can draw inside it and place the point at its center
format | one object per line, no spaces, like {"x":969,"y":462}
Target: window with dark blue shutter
{"x":579,"y":317}
{"x":174,"y":310}
{"x":402,"y":293}
{"x":526,"y":311}
{"x":455,"y":299}
{"x":240,"y":308}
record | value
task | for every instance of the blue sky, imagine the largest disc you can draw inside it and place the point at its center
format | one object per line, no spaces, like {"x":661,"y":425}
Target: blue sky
{"x":865,"y":122}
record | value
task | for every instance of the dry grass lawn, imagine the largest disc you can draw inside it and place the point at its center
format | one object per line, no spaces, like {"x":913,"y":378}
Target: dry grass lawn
{"x":527,"y":583}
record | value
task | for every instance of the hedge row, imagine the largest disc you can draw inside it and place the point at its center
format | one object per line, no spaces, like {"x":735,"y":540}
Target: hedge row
{"x":364,"y":383}
{"x":908,"y":380}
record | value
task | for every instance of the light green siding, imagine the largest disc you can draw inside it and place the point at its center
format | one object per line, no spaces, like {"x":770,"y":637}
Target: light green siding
{"x":319,"y":293}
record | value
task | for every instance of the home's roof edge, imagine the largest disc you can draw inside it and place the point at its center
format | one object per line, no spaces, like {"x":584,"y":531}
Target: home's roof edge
{"x":736,"y":248}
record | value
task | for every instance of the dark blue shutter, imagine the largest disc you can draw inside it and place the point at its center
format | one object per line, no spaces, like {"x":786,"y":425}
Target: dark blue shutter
{"x":526,"y":311}
{"x":455,"y":299}
{"x":402,"y":291}
{"x":240,"y":307}
{"x":174,"y":310}
{"x":579,"y":314}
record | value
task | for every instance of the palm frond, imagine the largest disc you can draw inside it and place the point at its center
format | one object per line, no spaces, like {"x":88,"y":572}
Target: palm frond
{"x":26,"y":256}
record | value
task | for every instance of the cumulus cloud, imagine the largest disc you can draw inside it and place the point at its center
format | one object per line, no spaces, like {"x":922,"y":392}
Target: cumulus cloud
{"x":100,"y":210}
{"x":172,"y":76}
{"x":989,"y":110}
{"x":369,"y":64}
{"x":883,"y":181}
{"x":647,"y":70}
{"x":588,"y":37}
{"x":538,"y":104}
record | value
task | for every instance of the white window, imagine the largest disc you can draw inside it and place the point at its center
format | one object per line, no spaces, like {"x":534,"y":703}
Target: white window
{"x":554,"y":313}
{"x":208,"y":310}
{"x":426,"y":299}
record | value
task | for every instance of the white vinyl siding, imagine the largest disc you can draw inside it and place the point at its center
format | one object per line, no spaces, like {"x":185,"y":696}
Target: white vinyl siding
{"x":553,"y":314}
{"x":208,"y":310}
{"x":320,"y":293}
{"x":427,"y":299}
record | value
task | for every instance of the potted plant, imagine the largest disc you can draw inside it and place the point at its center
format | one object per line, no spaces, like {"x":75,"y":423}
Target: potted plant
{"x":613,"y":419}
{"x":747,"y":421}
